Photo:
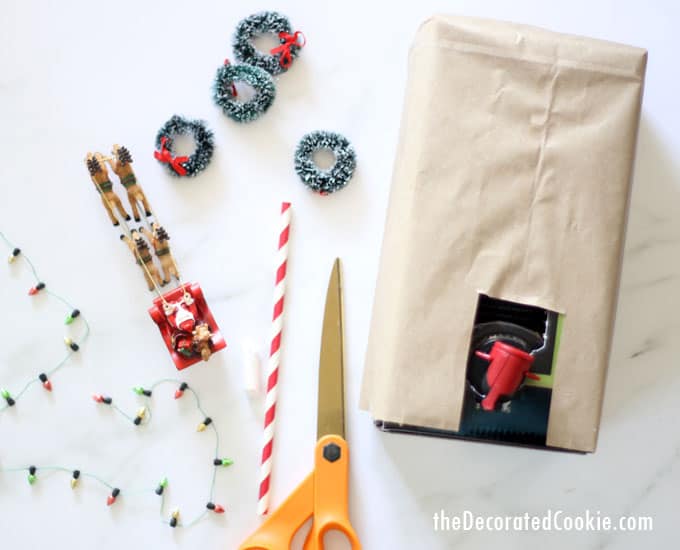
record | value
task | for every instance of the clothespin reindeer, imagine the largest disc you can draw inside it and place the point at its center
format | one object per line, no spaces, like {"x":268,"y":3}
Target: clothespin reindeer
{"x":159,"y":240}
{"x":140,"y":250}
{"x":121,"y":164}
{"x":96,"y":166}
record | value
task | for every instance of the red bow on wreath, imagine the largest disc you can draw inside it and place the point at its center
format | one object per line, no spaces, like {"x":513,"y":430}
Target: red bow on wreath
{"x":290,"y":40}
{"x":165,"y":156}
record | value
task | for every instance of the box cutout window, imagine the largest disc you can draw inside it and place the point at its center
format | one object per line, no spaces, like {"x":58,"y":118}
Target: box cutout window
{"x":509,"y":373}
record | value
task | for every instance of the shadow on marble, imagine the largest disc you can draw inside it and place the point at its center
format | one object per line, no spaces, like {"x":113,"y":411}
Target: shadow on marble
{"x":643,"y":361}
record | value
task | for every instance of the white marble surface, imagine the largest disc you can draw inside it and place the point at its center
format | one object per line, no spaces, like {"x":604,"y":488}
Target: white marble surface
{"x":76,"y":76}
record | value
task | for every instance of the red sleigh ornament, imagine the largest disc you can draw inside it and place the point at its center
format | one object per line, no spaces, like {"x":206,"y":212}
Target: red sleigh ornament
{"x":183,"y":318}
{"x":187,"y":326}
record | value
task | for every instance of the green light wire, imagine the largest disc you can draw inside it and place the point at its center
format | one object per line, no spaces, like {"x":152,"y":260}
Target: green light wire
{"x":145,"y":491}
{"x":205,"y":414}
{"x":147,"y":419}
{"x":60,"y":469}
{"x":57,"y":297}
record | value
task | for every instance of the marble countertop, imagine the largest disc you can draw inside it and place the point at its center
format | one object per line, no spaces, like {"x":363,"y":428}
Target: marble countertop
{"x":81,"y":76}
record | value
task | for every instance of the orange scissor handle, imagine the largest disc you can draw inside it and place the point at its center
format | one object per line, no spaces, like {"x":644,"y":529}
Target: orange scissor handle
{"x":323,"y":494}
{"x":331,"y":493}
{"x":278,"y":530}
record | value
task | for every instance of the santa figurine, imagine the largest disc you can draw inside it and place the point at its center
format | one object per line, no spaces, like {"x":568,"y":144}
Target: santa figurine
{"x":182,"y":315}
{"x":183,"y":343}
{"x":189,"y":338}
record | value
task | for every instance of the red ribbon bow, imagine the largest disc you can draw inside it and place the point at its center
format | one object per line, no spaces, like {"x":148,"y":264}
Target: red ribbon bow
{"x":165,"y":156}
{"x":234,"y":93}
{"x":290,"y":40}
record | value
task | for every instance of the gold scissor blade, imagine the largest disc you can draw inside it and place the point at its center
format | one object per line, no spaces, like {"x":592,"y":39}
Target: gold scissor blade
{"x":331,"y":407}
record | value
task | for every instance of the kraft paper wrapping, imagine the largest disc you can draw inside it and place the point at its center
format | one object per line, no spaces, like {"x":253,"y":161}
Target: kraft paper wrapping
{"x":512,"y":179}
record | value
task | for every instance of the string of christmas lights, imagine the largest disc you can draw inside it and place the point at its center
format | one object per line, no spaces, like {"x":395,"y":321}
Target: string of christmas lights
{"x":143,"y":417}
{"x":10,"y":398}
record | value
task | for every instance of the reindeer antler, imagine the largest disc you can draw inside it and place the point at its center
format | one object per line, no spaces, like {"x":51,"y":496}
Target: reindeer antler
{"x":162,"y":234}
{"x":141,"y":244}
{"x":93,"y":166}
{"x":123,"y":154}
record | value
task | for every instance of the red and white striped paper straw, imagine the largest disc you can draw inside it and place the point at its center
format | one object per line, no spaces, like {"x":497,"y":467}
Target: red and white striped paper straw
{"x":274,"y":362}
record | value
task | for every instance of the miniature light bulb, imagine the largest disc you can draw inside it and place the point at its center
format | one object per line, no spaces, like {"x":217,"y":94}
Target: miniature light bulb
{"x":161,"y":486}
{"x":215,"y":508}
{"x":72,"y":316}
{"x":35,"y":289}
{"x":112,"y":497}
{"x":31,"y":475}
{"x":45,"y":381}
{"x":7,"y":397}
{"x":99,"y":398}
{"x":203,"y":425}
{"x":141,"y":413}
{"x":174,"y":518}
{"x":139,"y":390}
{"x":71,"y":344}
{"x":75,"y":478}
{"x":180,"y":392}
{"x":13,"y":255}
{"x":223,"y":462}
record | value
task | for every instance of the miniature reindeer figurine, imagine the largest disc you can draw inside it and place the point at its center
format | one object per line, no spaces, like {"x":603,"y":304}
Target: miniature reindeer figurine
{"x":100,"y":178}
{"x":193,"y":343}
{"x":159,"y":239}
{"x":121,"y":164}
{"x":140,"y":250}
{"x":201,"y":339}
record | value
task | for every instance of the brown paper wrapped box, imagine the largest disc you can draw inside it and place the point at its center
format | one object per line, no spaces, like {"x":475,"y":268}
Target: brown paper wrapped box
{"x":512,"y":179}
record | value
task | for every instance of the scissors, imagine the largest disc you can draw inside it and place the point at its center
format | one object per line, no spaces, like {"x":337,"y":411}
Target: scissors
{"x":324,"y":493}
